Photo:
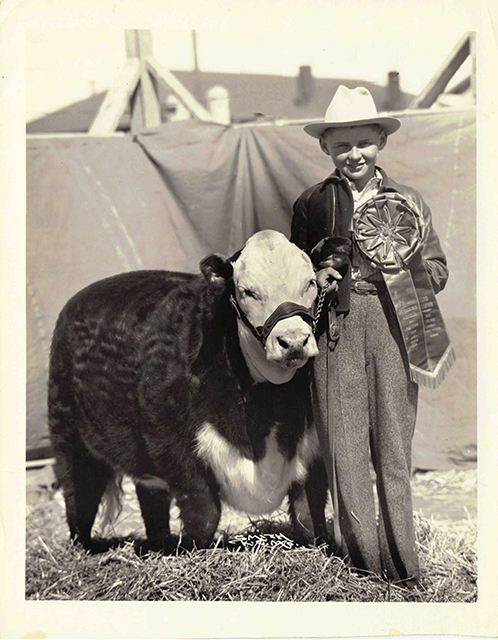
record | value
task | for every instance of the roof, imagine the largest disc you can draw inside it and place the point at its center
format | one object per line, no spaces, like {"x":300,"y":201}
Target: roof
{"x":251,"y":95}
{"x":277,"y":96}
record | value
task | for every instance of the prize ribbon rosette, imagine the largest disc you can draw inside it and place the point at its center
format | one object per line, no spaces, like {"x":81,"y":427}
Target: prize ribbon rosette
{"x":388,"y":232}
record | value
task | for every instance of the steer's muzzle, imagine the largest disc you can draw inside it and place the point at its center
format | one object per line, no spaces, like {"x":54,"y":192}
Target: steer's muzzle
{"x":291,"y":342}
{"x":287,"y":334}
{"x":283,"y":311}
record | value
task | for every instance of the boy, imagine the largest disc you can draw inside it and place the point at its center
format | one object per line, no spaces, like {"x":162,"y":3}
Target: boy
{"x":373,"y":245}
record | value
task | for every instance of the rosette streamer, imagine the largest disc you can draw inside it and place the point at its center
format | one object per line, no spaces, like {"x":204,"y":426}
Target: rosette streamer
{"x":388,"y":232}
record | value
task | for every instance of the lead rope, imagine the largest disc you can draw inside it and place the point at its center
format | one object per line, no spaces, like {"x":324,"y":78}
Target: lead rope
{"x":319,"y":306}
{"x":331,"y":384}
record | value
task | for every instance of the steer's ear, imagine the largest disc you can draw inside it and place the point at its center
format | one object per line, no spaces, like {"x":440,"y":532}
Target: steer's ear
{"x":217,"y":270}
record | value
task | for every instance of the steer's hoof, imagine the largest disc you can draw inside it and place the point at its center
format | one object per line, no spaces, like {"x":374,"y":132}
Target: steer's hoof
{"x":98,"y":545}
{"x":162,"y":544}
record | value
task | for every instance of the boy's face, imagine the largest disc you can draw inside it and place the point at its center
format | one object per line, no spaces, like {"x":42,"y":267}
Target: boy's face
{"x":354,"y":150}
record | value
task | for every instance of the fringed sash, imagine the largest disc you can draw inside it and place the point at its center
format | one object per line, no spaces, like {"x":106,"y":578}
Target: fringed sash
{"x":388,"y":231}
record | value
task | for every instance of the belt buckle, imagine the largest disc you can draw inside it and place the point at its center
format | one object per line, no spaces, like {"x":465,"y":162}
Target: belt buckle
{"x":364,"y":288}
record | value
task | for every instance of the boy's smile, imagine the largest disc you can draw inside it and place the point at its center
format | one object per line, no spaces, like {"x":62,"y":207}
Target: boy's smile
{"x":354,"y":150}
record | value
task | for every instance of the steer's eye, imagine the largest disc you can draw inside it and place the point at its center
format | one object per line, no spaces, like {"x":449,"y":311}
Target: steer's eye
{"x":249,"y":294}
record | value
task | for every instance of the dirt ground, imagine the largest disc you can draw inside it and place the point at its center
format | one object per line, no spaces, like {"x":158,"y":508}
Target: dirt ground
{"x":448,"y":497}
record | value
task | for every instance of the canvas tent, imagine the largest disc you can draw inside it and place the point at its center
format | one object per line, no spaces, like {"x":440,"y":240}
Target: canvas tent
{"x":167,"y":197}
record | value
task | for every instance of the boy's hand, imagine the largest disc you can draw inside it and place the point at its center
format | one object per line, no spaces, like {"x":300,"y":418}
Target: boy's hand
{"x":328,"y":276}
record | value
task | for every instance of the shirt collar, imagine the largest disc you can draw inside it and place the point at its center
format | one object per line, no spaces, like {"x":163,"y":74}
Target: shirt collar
{"x":376,"y":181}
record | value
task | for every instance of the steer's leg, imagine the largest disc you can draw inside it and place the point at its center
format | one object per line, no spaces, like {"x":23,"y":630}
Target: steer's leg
{"x":317,"y":492}
{"x":200,"y":510}
{"x":82,"y":477}
{"x":84,"y":480}
{"x":155,"y":500}
{"x":307,"y":504}
{"x":300,"y":514}
{"x":91,"y":478}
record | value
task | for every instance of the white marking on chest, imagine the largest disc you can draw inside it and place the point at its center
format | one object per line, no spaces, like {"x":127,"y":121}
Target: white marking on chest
{"x":249,"y":486}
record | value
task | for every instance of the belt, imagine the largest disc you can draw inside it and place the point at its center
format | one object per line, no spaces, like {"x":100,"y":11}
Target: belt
{"x":365,"y":288}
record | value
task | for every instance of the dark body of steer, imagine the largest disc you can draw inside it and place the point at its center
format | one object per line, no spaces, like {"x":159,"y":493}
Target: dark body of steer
{"x":154,"y":373}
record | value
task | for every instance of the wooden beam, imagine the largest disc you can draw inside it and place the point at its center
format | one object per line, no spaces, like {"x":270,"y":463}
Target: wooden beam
{"x":443,"y":75}
{"x":151,"y":111}
{"x":139,"y":45}
{"x":165,"y":77}
{"x":463,"y":86}
{"x":114,"y":105}
{"x":473,"y":55}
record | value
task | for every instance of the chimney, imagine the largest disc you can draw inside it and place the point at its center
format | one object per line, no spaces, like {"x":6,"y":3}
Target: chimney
{"x":394,"y":100}
{"x":218,"y":104}
{"x":305,"y":86}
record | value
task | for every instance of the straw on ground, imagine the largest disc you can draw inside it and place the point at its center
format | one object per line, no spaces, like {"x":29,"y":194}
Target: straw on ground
{"x":261,"y":563}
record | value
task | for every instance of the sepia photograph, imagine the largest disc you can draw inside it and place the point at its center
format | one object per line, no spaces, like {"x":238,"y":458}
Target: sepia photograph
{"x":250,"y":297}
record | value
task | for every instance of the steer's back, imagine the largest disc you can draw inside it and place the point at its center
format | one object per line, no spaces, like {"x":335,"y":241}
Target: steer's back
{"x":101,"y":339}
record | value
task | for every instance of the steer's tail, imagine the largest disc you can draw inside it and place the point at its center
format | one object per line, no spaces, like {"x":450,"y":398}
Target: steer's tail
{"x":112,"y":502}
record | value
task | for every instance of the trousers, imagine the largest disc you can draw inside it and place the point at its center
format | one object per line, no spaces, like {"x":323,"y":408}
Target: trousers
{"x":375,"y":409}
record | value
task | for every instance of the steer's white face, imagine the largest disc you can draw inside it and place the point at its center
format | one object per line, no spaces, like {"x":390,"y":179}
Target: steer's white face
{"x":269,"y":271}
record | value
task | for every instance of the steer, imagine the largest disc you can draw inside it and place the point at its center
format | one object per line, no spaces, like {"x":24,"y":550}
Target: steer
{"x":199,"y":381}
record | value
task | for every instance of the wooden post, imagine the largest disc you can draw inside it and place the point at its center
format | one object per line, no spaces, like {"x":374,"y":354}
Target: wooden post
{"x":146,"y":112}
{"x":444,"y":74}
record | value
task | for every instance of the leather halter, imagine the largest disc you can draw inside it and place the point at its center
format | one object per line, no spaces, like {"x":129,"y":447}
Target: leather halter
{"x":284,"y":310}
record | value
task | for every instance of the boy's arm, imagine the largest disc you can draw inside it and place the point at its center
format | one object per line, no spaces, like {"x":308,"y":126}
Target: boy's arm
{"x":299,"y":225}
{"x":328,"y":256}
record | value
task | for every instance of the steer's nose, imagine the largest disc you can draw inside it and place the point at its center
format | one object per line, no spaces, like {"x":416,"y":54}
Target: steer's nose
{"x":286,"y":346}
{"x":294,"y":343}
{"x":291,"y":340}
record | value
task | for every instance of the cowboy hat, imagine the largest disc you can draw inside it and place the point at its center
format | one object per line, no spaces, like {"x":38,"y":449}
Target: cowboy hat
{"x":352,"y":107}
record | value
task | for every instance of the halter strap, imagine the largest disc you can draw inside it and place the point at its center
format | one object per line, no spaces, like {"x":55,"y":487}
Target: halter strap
{"x":284,"y":310}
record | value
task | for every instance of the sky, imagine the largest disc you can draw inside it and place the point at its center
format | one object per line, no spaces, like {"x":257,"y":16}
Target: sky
{"x":355,"y":39}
